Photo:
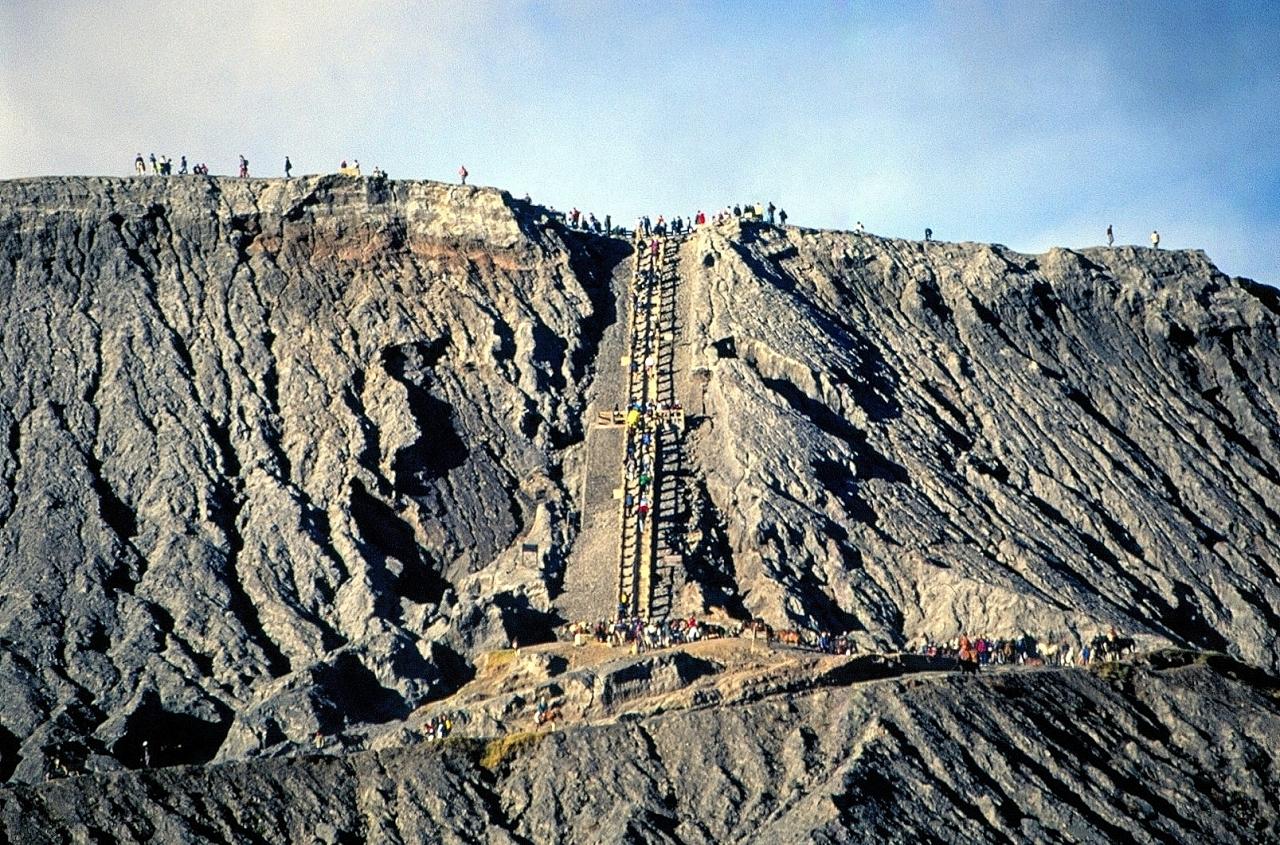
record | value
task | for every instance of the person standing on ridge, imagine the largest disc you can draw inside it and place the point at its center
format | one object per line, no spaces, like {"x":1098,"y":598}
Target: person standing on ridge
{"x":462,"y":173}
{"x":182,"y":167}
{"x":1111,"y":239}
{"x":769,"y":212}
{"x":139,"y":165}
{"x":244,"y":167}
{"x":928,"y":233}
{"x":1155,"y":239}
{"x":782,"y":217}
{"x":288,"y":167}
{"x":155,"y":165}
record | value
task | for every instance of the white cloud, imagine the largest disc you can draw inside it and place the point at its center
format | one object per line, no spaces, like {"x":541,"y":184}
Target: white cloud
{"x":998,"y":122}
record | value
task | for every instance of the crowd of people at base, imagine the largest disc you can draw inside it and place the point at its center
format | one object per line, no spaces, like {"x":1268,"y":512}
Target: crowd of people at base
{"x":629,"y":630}
{"x":645,"y":634}
{"x":971,"y":653}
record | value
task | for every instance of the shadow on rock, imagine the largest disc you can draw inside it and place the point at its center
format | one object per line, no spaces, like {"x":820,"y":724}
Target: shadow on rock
{"x":154,"y":736}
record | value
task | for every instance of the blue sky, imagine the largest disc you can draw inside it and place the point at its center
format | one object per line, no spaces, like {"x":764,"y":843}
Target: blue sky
{"x":1031,"y":124}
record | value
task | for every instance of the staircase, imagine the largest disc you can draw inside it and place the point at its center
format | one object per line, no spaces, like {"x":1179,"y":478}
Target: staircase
{"x":651,"y":506}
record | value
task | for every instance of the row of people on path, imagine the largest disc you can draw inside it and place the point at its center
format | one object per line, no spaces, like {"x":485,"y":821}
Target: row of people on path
{"x":985,"y":650}
{"x":630,"y":630}
{"x":642,"y":418}
{"x":1027,"y":649}
{"x":163,"y":166}
{"x":643,"y":634}
{"x":645,"y":418}
{"x":640,"y":635}
{"x":769,"y":213}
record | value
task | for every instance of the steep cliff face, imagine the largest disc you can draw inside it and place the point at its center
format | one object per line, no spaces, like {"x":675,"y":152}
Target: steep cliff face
{"x":283,"y":457}
{"x":913,"y":438}
{"x":273,"y":449}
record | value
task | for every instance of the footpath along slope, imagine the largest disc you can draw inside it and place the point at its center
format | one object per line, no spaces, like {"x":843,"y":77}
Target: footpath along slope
{"x":1179,"y":753}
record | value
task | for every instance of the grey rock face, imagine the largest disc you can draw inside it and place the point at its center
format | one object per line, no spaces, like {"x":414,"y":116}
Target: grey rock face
{"x":1180,"y":754}
{"x":910,"y":439}
{"x":273,"y":450}
{"x":284,"y":457}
